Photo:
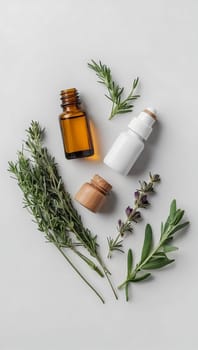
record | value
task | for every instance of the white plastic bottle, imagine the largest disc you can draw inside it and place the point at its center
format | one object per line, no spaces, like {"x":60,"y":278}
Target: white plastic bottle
{"x":130,"y":144}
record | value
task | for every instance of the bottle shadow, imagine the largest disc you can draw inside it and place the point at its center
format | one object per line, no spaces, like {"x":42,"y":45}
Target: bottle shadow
{"x":143,"y":161}
{"x":95,"y":140}
{"x":110,"y":204}
{"x":94,"y":135}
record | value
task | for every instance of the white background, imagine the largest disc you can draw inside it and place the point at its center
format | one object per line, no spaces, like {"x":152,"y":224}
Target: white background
{"x":45,"y":47}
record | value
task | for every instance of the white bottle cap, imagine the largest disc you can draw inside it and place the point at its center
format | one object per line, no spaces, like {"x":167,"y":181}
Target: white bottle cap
{"x":142,"y":125}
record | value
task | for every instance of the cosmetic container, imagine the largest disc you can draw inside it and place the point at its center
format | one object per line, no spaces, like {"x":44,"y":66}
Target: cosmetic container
{"x":130,"y":144}
{"x":93,"y":195}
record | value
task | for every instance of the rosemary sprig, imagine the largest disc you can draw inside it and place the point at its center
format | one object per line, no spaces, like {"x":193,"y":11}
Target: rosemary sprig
{"x":119,"y":105}
{"x":132,"y":214}
{"x":50,"y":204}
{"x":155,"y":258}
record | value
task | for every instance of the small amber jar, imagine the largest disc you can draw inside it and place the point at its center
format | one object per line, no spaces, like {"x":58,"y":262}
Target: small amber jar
{"x":74,"y":127}
{"x":93,"y":195}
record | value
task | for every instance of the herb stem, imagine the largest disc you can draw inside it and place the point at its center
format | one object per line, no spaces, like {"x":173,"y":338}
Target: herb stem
{"x":107,"y":273}
{"x":79,"y":273}
{"x":140,"y":265}
{"x":110,"y":283}
{"x":156,"y":257}
{"x":112,"y":111}
{"x":132,"y":214}
{"x":98,"y":258}
{"x":122,"y":230}
{"x":115,"y":92}
{"x":88,"y":261}
{"x":45,"y":198}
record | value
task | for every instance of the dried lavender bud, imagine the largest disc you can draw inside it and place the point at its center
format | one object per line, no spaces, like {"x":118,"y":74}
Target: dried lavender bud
{"x":149,"y":187}
{"x":137,"y":194}
{"x":133,"y":215}
{"x":154,"y":178}
{"x":119,"y":223}
{"x":122,"y":233}
{"x":128,"y":211}
{"x":136,"y":216}
{"x":146,"y":187}
{"x":144,"y":201}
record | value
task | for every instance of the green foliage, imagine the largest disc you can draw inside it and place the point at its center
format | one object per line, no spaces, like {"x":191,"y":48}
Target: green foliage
{"x":148,"y":241}
{"x":119,"y":105}
{"x":48,"y":201}
{"x":114,"y":246}
{"x":155,"y":258}
{"x":132,"y":214}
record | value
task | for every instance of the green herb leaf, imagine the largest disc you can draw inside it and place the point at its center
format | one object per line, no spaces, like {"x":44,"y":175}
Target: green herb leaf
{"x":178,"y":216}
{"x":148,"y":240}
{"x":173,"y":208}
{"x":50,"y":204}
{"x":157,"y":257}
{"x":141,"y":278}
{"x":129,"y":262}
{"x":179,"y":227}
{"x":169,"y":248}
{"x":157,"y":263}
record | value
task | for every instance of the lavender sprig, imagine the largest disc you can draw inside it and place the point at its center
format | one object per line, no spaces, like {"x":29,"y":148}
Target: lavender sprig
{"x":133,"y":214}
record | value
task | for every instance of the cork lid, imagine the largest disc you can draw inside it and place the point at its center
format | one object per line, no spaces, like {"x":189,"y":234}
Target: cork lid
{"x":101,"y":183}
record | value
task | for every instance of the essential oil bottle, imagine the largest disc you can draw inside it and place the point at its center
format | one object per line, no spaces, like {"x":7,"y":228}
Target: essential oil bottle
{"x":74,"y":127}
{"x":130,"y":144}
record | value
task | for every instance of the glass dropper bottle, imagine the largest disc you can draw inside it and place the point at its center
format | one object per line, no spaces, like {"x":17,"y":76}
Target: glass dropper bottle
{"x":75,"y":128}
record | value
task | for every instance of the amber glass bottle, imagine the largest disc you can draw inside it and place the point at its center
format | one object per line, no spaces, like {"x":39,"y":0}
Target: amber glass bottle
{"x":74,"y":127}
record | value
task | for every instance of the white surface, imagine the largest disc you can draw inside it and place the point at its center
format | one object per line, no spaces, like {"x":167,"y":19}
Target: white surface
{"x":45,"y":46}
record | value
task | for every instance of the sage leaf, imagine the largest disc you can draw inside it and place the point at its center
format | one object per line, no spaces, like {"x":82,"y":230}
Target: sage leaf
{"x":129,"y":263}
{"x":141,"y":278}
{"x":147,"y":245}
{"x":157,"y":257}
{"x":173,"y":208}
{"x":157,"y":264}
{"x":179,"y":227}
{"x":129,"y":272}
{"x":169,"y":248}
{"x":178,"y":216}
